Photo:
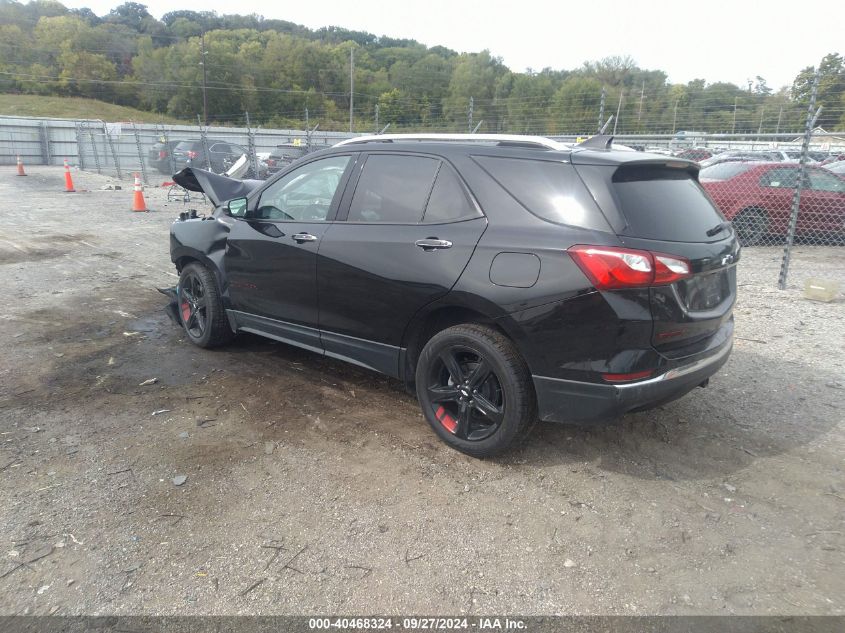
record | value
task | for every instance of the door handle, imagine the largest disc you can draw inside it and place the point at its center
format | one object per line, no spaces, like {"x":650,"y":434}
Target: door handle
{"x":432,"y":243}
{"x":299,"y":238}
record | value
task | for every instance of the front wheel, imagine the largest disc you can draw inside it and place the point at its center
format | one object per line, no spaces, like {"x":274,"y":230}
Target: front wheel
{"x":751,"y":226}
{"x":475,"y":389}
{"x":200,"y":308}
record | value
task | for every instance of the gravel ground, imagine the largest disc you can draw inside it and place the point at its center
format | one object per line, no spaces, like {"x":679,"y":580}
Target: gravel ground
{"x":311,"y":486}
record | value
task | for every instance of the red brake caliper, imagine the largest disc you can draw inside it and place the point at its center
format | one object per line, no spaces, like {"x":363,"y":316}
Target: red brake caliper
{"x":186,"y":311}
{"x":446,"y":420}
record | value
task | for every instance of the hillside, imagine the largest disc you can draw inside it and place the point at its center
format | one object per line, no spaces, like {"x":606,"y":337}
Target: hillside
{"x":76,"y":108}
{"x":192,"y":63}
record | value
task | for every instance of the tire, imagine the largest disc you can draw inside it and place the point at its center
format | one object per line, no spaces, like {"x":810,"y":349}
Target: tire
{"x":200,"y":308}
{"x":751,"y":225}
{"x":475,"y":390}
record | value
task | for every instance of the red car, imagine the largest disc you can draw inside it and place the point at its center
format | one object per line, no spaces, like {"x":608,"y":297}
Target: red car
{"x":757,"y":199}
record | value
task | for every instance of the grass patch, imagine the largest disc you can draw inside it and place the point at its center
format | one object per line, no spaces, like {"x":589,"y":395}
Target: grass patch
{"x":76,"y":108}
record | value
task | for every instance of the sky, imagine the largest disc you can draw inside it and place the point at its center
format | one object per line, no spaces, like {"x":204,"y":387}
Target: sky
{"x":717,"y":40}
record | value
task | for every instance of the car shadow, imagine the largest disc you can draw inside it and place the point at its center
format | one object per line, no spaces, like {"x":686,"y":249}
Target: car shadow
{"x":753,"y":408}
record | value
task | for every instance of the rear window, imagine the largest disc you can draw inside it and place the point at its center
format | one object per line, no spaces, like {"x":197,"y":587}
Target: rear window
{"x":184,"y":146}
{"x":724,"y":171}
{"x":665,"y":204}
{"x":550,"y":190}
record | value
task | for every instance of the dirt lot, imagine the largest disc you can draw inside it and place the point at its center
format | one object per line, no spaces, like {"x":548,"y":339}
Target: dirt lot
{"x":313,"y":486}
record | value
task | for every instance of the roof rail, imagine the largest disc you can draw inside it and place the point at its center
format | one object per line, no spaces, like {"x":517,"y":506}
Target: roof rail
{"x":515,"y":139}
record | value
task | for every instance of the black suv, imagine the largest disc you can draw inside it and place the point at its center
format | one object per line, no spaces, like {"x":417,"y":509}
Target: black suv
{"x":221,"y":155}
{"x":503,"y":278}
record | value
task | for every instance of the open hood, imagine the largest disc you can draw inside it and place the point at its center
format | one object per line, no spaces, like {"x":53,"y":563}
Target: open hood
{"x":218,"y":188}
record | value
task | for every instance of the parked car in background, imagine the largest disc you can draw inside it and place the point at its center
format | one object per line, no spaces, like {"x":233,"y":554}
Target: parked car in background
{"x":283,"y":155}
{"x":794,"y":155}
{"x":221,"y":155}
{"x":697,"y":154}
{"x":833,"y":158}
{"x":837,"y":167}
{"x":739,"y":155}
{"x":757,"y":199}
{"x":158,"y":156}
{"x":687,"y":138}
{"x":478,"y":269}
{"x":662,"y":151}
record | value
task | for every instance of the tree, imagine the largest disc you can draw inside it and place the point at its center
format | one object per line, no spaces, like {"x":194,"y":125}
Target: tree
{"x":830,"y":90}
{"x":575,"y":105}
{"x":474,"y":76}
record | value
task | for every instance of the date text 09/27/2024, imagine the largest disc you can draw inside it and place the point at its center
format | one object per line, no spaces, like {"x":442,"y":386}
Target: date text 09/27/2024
{"x":417,"y":624}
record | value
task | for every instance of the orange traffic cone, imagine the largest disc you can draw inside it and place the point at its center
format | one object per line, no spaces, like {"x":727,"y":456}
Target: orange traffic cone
{"x":21,"y":172}
{"x":68,"y":180}
{"x":138,"y":203}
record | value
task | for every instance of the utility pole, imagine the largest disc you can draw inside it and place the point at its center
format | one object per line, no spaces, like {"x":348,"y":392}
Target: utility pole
{"x":640,"y":113}
{"x":733,"y":130}
{"x":351,"y":84}
{"x":601,"y":107}
{"x":376,"y":118}
{"x":780,"y":114}
{"x":204,"y":79}
{"x":618,"y":109}
{"x":762,"y":114}
{"x":675,"y":116}
{"x":469,"y":115}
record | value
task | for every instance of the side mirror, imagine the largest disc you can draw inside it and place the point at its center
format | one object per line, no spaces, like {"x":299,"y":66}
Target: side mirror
{"x":236,"y":207}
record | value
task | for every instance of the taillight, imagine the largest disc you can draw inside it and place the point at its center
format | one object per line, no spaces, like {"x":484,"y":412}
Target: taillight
{"x":162,"y":154}
{"x":271,"y":162}
{"x":669,"y":269}
{"x":191,"y":154}
{"x":609,"y":267}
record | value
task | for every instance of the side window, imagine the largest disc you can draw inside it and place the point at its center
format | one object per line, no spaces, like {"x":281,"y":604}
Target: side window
{"x":821,"y":181}
{"x":780,"y":178}
{"x":305,"y":194}
{"x":448,"y":201}
{"x":393,"y":189}
{"x":218,"y":148}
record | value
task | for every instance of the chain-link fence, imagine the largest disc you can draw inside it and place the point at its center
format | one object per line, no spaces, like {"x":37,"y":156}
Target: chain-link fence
{"x":120,"y":149}
{"x":780,"y":191}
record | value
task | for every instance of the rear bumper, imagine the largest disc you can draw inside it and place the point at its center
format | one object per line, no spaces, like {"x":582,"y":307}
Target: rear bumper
{"x":571,"y":400}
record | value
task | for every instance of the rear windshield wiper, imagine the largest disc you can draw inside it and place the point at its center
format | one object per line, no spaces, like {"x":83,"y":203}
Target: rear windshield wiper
{"x":718,"y":228}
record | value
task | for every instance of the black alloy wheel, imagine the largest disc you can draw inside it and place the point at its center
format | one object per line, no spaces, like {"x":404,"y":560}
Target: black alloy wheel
{"x":475,"y":389}
{"x":193,"y":306}
{"x":200,"y":308}
{"x":466,"y":394}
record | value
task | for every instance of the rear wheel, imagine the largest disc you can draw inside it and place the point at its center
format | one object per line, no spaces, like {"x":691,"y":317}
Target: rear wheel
{"x":475,"y":389}
{"x":751,"y":226}
{"x":200,"y":308}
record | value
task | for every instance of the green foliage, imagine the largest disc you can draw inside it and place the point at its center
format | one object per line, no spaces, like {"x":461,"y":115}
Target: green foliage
{"x":830,"y":91}
{"x":275,"y":69}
